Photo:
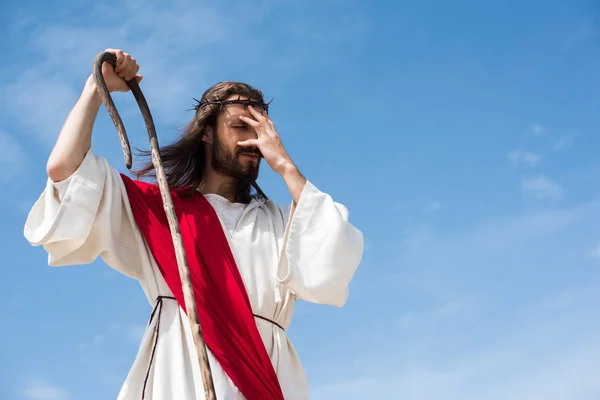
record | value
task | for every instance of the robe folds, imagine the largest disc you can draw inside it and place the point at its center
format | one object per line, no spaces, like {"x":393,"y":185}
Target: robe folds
{"x":306,"y":251}
{"x":223,"y":306}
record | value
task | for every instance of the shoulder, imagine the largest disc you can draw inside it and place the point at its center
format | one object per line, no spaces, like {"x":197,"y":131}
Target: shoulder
{"x":139,"y":186}
{"x":143,"y":192}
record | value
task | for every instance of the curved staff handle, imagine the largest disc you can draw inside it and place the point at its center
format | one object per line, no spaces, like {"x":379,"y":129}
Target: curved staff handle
{"x":188,"y":292}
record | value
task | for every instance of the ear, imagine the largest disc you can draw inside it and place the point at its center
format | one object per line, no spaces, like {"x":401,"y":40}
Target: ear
{"x":208,"y":135}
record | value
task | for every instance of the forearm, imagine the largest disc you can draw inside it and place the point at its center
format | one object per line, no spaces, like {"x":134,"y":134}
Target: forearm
{"x":294,"y":180}
{"x":75,"y":136}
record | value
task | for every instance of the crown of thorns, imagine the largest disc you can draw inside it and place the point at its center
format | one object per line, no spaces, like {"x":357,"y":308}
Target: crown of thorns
{"x":204,"y":102}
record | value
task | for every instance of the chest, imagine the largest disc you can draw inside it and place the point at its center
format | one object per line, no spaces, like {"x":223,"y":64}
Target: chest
{"x":255,"y":236}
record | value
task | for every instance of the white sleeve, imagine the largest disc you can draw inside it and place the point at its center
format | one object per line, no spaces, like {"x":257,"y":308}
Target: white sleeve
{"x":321,"y":250}
{"x":86,"y":216}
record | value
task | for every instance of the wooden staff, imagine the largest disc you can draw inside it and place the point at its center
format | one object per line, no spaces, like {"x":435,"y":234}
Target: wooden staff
{"x":184,"y":273}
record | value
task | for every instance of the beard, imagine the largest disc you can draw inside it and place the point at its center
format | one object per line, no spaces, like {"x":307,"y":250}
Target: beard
{"x":228,"y":163}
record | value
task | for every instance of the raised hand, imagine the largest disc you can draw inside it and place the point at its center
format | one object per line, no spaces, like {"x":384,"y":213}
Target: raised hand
{"x":126,"y":69}
{"x":268,"y":141}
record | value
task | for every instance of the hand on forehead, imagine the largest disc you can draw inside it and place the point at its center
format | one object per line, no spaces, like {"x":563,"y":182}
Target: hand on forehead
{"x":234,"y":110}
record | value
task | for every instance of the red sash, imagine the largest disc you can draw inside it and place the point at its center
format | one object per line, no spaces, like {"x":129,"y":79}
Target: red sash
{"x":223,"y":305}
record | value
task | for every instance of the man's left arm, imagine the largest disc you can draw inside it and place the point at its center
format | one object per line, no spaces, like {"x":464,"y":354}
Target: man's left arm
{"x":321,"y":248}
{"x":294,"y":180}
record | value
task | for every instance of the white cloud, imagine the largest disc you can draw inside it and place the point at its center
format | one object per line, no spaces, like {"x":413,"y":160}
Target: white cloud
{"x":94,"y":342}
{"x":135,"y":332}
{"x":14,"y":159}
{"x":536,"y":129}
{"x":564,"y":142}
{"x":496,"y":242}
{"x":115,"y":332}
{"x":585,"y":31}
{"x":595,"y":252}
{"x":40,"y":102}
{"x":432,"y":262}
{"x":545,"y":350}
{"x":430,"y":318}
{"x":507,"y":374}
{"x":542,"y":188}
{"x":44,"y":93}
{"x":520,"y":156}
{"x":433,"y":206}
{"x":505,"y":314}
{"x":416,"y":237}
{"x":179,"y":57}
{"x":37,"y":389}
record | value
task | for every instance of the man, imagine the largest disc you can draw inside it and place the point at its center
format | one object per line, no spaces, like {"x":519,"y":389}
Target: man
{"x":249,"y":258}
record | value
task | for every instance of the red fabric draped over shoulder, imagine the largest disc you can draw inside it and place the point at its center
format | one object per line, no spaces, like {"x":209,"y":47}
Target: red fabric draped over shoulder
{"x":223,"y":305}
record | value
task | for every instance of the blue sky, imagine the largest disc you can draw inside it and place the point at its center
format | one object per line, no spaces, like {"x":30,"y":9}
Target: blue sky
{"x":464,"y":140}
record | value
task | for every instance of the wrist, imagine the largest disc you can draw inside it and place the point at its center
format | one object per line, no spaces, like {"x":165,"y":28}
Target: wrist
{"x":90,"y":84}
{"x":293,"y":179}
{"x":286,"y":167}
{"x":291,"y":173}
{"x":90,"y":91}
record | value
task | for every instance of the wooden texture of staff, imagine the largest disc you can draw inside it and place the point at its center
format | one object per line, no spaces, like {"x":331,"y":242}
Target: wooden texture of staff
{"x":182,"y":263}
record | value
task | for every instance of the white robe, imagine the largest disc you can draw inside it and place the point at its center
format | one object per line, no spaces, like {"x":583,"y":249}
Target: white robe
{"x":313,"y":258}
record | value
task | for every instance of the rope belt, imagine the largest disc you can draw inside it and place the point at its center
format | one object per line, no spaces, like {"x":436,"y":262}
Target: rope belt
{"x":158,"y":307}
{"x":268,"y":320}
{"x":159,"y":299}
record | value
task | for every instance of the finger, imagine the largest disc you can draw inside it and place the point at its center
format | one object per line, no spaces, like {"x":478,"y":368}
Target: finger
{"x":261,"y":115}
{"x":125,"y":64}
{"x":118,"y":53}
{"x":249,"y":143}
{"x":131,"y":72}
{"x":139,"y":78}
{"x":136,"y":75}
{"x":250,"y":121}
{"x":255,"y":114}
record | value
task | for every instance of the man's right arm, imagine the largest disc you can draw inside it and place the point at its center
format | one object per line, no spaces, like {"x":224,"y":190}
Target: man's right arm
{"x":83,"y":211}
{"x":75,"y":137}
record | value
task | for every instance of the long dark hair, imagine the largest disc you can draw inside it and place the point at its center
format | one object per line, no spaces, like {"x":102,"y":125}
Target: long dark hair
{"x":185,"y":159}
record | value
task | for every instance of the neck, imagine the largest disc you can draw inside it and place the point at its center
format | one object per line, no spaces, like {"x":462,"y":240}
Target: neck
{"x":215,"y":183}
